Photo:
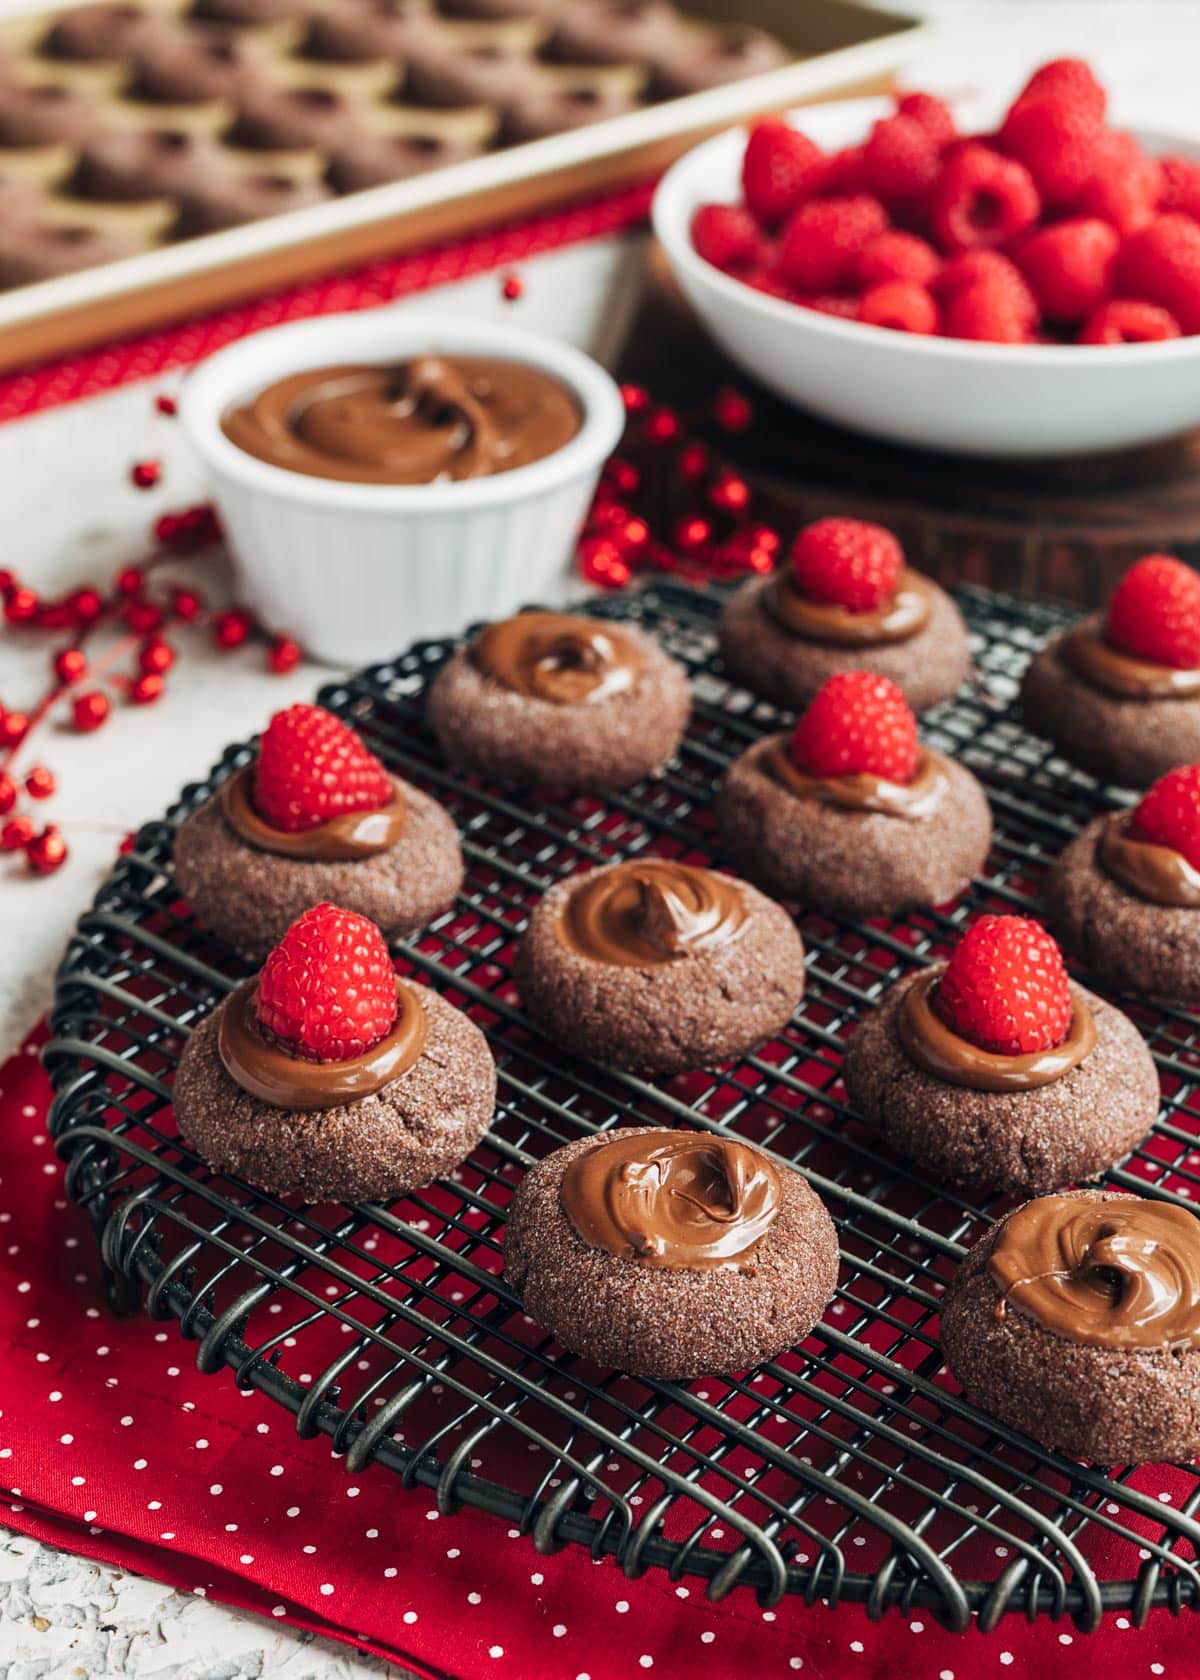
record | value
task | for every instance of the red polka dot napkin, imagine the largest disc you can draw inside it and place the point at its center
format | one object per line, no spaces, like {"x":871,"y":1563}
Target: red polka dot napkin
{"x":112,"y":1444}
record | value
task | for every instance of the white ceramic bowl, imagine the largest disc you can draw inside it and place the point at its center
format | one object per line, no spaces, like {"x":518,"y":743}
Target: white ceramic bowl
{"x":935,"y":393}
{"x":358,"y":571}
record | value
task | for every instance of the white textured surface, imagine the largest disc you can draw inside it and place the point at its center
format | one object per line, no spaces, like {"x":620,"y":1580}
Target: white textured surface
{"x":62,"y":475}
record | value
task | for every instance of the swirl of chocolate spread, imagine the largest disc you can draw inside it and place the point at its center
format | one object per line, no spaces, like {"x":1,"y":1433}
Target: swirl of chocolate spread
{"x":863,"y":792}
{"x":931,"y":1044}
{"x":680,"y":1200}
{"x":1123,"y":1273}
{"x":1087,"y":652}
{"x":357,"y":834}
{"x":427,"y":421}
{"x":268,"y":1070}
{"x":557,"y":657}
{"x":651,"y":910}
{"x":821,"y":621}
{"x":1158,"y":873}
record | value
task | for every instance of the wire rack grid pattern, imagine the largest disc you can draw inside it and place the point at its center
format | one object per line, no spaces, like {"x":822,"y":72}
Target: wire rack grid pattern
{"x":850,"y":1468}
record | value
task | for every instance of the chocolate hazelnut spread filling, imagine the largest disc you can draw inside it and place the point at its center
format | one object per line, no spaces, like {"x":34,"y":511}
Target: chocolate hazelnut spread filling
{"x":680,"y":1200}
{"x":822,"y":621}
{"x":651,"y":911}
{"x":865,"y":792}
{"x":357,"y":834}
{"x":1158,"y":873}
{"x":556,"y":657}
{"x":1087,"y":653}
{"x":427,"y":421}
{"x":1123,"y":1273}
{"x":272,"y":1073}
{"x":930,"y":1043}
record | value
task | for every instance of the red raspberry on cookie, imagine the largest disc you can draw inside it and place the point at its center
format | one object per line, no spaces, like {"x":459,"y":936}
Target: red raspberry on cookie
{"x":847,"y":562}
{"x":1169,"y":813}
{"x":328,"y":989}
{"x":1005,"y":988}
{"x":1154,"y":613}
{"x":857,"y":724}
{"x":311,"y":768}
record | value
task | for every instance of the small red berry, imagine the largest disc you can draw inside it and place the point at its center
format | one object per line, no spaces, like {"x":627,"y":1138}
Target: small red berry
{"x":167,"y":528}
{"x":166,"y":405}
{"x":602,"y":563}
{"x":692,"y":533}
{"x":14,"y":726}
{"x":8,"y":582}
{"x":982,"y":199}
{"x":732,"y":411}
{"x":512,"y":287}
{"x":231,"y":628}
{"x":185,"y":604}
{"x":901,"y":305}
{"x":622,"y":475}
{"x":1059,"y":139}
{"x":86,"y":605}
{"x":144,"y":475}
{"x":46,"y":852}
{"x":848,"y":563}
{"x":156,"y":655}
{"x":781,"y":167}
{"x":39,"y":782}
{"x":16,"y":834}
{"x":130,"y":581}
{"x":146,"y":689}
{"x":730,"y":493}
{"x":662,"y":426}
{"x":328,"y":989}
{"x":933,"y":114}
{"x":692,"y":462}
{"x":8,"y":793}
{"x":728,"y":237}
{"x":70,"y":664}
{"x":821,"y":243}
{"x":857,"y":724}
{"x":283,"y":655}
{"x":142,"y":617}
{"x":636,"y":398}
{"x":1126,"y":321}
{"x":1070,"y":266}
{"x":90,"y":711}
{"x":1155,"y":612}
{"x":22,"y":606}
{"x":128,"y":842}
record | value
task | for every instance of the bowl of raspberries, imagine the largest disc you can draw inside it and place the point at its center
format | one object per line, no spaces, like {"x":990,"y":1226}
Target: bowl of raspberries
{"x":1025,"y":286}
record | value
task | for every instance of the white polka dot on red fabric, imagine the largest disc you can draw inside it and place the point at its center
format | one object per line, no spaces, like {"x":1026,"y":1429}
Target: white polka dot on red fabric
{"x":474,"y":1598}
{"x":409,"y":1616}
{"x":1006,"y":1658}
{"x":621,"y":1606}
{"x":495,"y":1650}
{"x":558,"y":1630}
{"x":389,"y":1574}
{"x":326,"y":1588}
{"x":645,"y":1662}
{"x":278,"y":1610}
{"x":707,"y":1638}
{"x":216,"y":1488}
{"x":292,"y":1511}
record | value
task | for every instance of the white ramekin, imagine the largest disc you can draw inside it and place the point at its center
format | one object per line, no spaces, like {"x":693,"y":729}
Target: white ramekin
{"x":358,"y":571}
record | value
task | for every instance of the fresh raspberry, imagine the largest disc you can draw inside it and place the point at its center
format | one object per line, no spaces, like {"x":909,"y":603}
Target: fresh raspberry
{"x":992,"y":267}
{"x":727,"y":236}
{"x":982,"y":199}
{"x":933,"y":114}
{"x":989,"y":311}
{"x":311,"y":767}
{"x":1169,"y":814}
{"x":768,"y":279}
{"x":1126,"y":321}
{"x":1058,"y":139}
{"x":900,"y":161}
{"x":780,"y":169}
{"x":844,"y":173}
{"x":1005,"y":988}
{"x":895,"y":255}
{"x":1161,"y":263}
{"x":847,"y":562}
{"x":1155,"y":612}
{"x":822,"y":241}
{"x":1070,"y":266}
{"x":328,"y":989}
{"x":901,"y":305}
{"x":1071,"y":79}
{"x":858,"y":724}
{"x":1126,"y":187}
{"x":1179,"y":187}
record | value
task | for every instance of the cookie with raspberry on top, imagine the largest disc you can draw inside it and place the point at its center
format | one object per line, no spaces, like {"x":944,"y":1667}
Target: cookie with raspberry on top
{"x":329,"y":1077}
{"x":314,"y":815}
{"x":1125,"y":894}
{"x":849,"y":813}
{"x":1119,"y":693}
{"x":994,"y":1070}
{"x":846,"y":600}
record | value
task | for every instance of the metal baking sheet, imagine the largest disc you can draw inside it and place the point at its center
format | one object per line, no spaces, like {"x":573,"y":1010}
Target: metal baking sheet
{"x":839,"y":46}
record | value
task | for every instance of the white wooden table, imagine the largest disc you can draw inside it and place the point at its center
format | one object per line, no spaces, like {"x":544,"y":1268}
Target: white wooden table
{"x":68,"y":513}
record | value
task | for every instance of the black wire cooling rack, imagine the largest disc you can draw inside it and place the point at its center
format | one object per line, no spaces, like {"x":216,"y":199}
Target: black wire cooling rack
{"x":849,"y":1468}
